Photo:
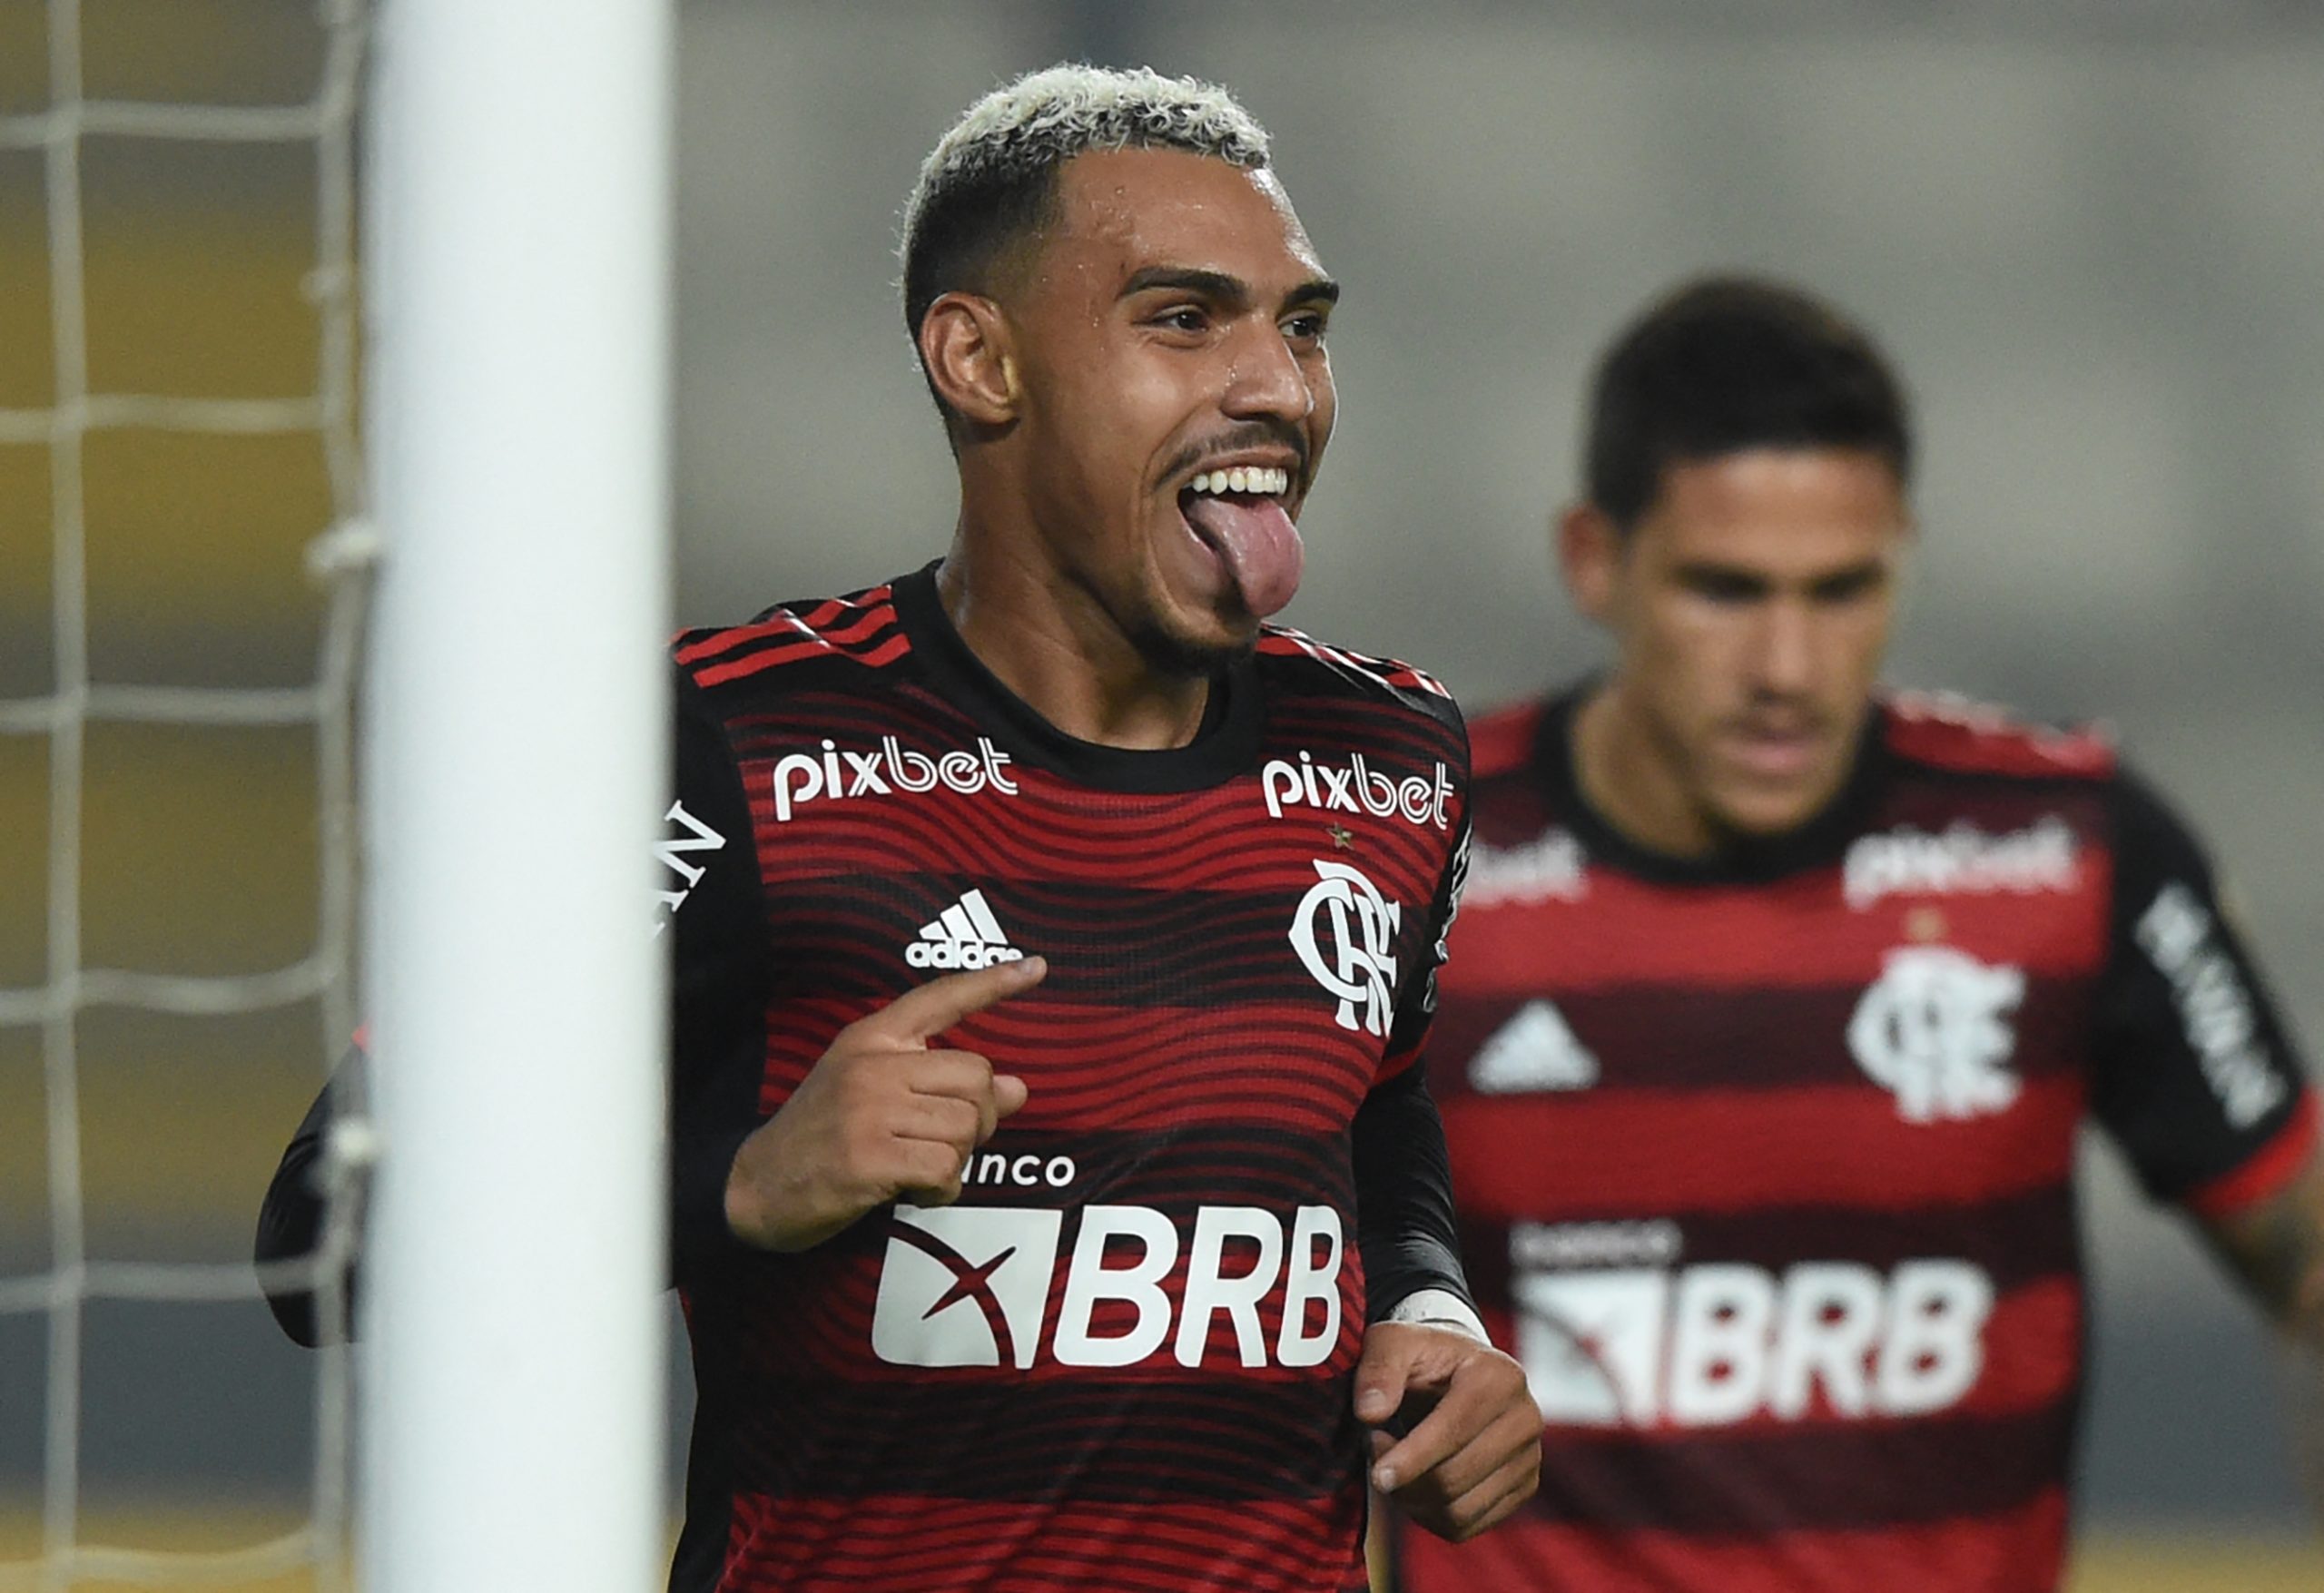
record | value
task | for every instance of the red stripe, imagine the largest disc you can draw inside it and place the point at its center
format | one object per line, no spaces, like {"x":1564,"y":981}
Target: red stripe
{"x":2011,"y":1552}
{"x":1627,"y":932}
{"x":808,"y":647}
{"x":902,"y":1544}
{"x":1974,"y":739}
{"x":1290,"y":643}
{"x":786,"y":622}
{"x":893,"y":648}
{"x":2266,"y":1170}
{"x":1502,"y":742}
{"x":1643,"y":1151}
{"x":871,"y":621}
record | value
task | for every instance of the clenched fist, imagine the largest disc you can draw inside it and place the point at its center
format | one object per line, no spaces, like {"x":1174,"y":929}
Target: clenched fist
{"x":882,"y":1116}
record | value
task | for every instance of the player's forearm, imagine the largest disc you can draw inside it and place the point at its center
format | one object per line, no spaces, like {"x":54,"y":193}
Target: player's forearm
{"x":2276,"y":1247}
{"x":1403,"y":1199}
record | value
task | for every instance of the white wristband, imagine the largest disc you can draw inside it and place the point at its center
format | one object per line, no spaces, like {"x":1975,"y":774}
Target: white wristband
{"x":1438,"y":1308}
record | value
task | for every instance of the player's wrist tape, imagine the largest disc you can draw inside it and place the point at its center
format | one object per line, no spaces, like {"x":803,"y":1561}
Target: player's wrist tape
{"x":1438,"y":1308}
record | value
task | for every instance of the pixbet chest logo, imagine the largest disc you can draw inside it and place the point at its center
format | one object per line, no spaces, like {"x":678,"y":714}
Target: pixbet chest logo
{"x":971,"y":1286}
{"x":1343,"y":930}
{"x":1717,"y":1343}
{"x":1354,"y":787}
{"x":891,"y":769}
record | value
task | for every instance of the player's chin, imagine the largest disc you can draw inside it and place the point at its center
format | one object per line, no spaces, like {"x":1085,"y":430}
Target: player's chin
{"x":1197,"y":641}
{"x":1761,"y":811}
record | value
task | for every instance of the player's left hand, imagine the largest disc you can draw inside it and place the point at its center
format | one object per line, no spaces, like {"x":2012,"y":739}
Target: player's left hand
{"x":1471,"y":1452}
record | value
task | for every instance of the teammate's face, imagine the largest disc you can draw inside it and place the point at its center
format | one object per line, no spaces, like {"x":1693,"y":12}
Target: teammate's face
{"x":1169,"y":327}
{"x":1751,"y":605}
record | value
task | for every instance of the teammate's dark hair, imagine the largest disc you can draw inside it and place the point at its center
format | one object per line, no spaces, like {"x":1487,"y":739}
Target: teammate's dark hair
{"x":1723,"y":364}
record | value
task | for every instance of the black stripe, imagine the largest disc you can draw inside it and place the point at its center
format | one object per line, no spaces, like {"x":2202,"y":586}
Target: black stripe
{"x":1864,"y":1475}
{"x":1104,"y":1439}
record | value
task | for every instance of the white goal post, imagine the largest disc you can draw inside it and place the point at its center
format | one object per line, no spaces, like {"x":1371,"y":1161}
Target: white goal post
{"x":517,"y":254}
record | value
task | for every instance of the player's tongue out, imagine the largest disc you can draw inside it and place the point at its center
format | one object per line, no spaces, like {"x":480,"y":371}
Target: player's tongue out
{"x":1256,"y":540}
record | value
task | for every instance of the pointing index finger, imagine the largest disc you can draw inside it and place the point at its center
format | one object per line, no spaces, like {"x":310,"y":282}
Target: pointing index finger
{"x":925,"y":1011}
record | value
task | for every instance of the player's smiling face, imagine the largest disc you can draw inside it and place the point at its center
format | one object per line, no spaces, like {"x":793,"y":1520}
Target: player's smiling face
{"x":1175,"y":396}
{"x":1751,"y":605}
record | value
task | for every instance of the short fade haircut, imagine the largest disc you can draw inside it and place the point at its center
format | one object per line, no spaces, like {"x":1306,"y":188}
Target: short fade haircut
{"x":1724,"y":364}
{"x":991,"y":183}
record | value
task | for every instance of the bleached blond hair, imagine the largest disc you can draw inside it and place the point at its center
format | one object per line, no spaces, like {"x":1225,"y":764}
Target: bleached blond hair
{"x":992,"y":179}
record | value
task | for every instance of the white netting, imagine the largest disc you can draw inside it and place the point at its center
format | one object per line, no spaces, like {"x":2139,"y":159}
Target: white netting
{"x":339,"y":556}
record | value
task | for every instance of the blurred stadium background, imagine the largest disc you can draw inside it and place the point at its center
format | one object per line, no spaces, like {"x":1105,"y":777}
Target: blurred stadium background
{"x":2089,"y":230}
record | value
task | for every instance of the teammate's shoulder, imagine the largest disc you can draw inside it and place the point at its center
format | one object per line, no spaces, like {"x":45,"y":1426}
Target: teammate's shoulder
{"x":1955,"y":735}
{"x":1295,"y":656}
{"x":859,"y":629}
{"x":1503,"y":739}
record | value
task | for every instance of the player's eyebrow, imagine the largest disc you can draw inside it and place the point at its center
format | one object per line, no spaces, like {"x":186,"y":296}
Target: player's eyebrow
{"x":1221,"y":288}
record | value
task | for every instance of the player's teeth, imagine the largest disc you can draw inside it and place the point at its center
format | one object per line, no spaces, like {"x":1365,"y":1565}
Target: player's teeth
{"x":1267,"y":482}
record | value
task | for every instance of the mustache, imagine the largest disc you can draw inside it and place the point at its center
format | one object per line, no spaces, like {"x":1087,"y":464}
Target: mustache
{"x":1245,"y":434}
{"x":1783,"y":714}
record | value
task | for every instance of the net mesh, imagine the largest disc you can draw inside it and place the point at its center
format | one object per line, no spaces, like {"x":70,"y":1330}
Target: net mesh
{"x":338,"y":556}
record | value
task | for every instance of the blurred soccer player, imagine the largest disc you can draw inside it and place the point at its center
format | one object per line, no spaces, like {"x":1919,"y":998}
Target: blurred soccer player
{"x":1058,"y":1197}
{"x":1774,"y":1008}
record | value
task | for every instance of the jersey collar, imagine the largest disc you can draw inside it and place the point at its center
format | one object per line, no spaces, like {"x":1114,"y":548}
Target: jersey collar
{"x":1820,"y":842}
{"x":1227,"y":744}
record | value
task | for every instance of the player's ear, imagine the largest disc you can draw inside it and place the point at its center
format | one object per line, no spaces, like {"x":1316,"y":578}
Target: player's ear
{"x":965,"y":343}
{"x":1589,"y":556}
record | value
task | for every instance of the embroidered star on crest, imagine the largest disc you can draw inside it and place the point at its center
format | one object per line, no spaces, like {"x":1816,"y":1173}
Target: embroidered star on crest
{"x":1342,"y":838}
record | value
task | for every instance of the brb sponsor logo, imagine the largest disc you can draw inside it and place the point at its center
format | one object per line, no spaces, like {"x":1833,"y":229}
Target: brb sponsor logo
{"x":1354,"y":786}
{"x":893,"y":769}
{"x":1343,"y":930}
{"x":1721,"y":1342}
{"x":1934,"y":1029}
{"x":971,"y":1286}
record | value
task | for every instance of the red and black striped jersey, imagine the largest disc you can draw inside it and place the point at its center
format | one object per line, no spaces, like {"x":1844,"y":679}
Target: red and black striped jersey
{"x":1765,"y":1163}
{"x":1123,"y":1359}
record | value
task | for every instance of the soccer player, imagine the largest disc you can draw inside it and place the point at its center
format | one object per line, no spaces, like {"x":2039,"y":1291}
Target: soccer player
{"x":1774,"y":1006}
{"x":1058,"y":1197}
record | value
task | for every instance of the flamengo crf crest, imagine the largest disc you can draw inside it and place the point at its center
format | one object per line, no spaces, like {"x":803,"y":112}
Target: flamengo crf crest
{"x":1343,"y":931}
{"x":1934,"y":1029}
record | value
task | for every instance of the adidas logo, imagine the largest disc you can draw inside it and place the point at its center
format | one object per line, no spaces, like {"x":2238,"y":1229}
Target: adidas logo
{"x":965,"y":935}
{"x":1533,"y":1050}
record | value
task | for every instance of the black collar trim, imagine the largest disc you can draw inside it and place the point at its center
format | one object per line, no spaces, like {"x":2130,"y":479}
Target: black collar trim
{"x":1226,"y":744}
{"x":1820,"y":842}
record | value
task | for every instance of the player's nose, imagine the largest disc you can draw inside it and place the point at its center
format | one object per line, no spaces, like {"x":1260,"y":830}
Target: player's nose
{"x":1264,"y":377}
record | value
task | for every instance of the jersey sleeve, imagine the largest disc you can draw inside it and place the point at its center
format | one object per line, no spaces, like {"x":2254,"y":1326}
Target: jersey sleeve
{"x":2195,"y":1074}
{"x":708,"y":914}
{"x":1405,"y":1224}
{"x":711,"y":908}
{"x":290,"y":1218}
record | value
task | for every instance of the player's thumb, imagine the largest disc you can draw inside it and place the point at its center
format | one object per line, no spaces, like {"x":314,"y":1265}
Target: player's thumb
{"x":1381,"y":1376}
{"x":1009,"y":1093}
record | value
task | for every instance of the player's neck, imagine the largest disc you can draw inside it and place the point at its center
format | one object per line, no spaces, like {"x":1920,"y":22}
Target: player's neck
{"x":1632,"y":782}
{"x":1049,"y":642}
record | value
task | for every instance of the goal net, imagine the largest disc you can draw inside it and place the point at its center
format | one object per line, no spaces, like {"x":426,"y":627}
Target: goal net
{"x":179,"y":772}
{"x":178,"y":408}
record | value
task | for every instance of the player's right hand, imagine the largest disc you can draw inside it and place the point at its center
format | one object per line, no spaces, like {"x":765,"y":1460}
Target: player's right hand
{"x":884,"y":1115}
